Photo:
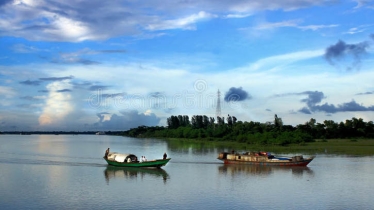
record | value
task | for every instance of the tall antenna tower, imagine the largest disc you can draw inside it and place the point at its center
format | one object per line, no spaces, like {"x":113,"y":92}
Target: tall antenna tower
{"x":218,"y":109}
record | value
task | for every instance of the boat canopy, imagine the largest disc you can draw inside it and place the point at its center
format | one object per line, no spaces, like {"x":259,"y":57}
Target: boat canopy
{"x":119,"y":157}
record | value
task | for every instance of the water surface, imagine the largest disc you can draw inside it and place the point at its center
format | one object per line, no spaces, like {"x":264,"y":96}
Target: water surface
{"x":68,"y":172}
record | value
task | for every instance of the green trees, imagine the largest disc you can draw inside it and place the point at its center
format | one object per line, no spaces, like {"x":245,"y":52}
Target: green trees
{"x":176,"y":121}
{"x":276,"y":133}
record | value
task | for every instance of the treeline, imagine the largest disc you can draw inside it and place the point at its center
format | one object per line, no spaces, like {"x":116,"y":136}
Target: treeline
{"x":270,"y":133}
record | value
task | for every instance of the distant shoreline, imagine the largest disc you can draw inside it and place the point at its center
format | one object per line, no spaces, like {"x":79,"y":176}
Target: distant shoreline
{"x":351,"y":147}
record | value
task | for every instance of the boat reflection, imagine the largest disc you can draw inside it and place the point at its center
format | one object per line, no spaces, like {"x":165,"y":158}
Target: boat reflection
{"x":112,"y":172}
{"x":258,"y":170}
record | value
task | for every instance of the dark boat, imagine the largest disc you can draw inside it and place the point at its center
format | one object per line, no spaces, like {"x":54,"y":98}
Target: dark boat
{"x":131,"y":160}
{"x":263,"y":158}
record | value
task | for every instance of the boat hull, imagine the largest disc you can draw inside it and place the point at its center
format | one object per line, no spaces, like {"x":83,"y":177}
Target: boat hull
{"x":263,"y":159}
{"x":146,"y":164}
{"x":268,"y":163}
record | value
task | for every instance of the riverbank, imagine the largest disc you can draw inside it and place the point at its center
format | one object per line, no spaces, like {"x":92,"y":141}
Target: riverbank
{"x":351,"y":147}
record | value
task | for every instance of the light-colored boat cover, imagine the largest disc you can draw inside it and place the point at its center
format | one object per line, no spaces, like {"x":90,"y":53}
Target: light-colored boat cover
{"x":117,"y":156}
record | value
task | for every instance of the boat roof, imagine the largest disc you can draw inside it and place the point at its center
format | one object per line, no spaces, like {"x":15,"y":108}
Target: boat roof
{"x":121,"y":154}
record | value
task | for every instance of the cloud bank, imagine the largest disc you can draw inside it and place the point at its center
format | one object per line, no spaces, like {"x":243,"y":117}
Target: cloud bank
{"x":77,"y":21}
{"x":125,"y":121}
{"x":315,"y":97}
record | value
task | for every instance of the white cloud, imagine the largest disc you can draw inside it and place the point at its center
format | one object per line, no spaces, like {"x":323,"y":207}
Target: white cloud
{"x":69,"y":29}
{"x":148,"y":112}
{"x":181,"y":23}
{"x":277,"y":61}
{"x":7,"y":92}
{"x":359,"y":29}
{"x":126,"y":120}
{"x":239,"y":15}
{"x":21,"y":48}
{"x":268,"y":25}
{"x":287,"y":5}
{"x":57,"y":105}
{"x":317,"y":27}
{"x":364,"y":3}
{"x":289,"y":23}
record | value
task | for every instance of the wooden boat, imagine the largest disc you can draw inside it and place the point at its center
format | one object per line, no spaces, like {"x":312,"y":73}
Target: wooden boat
{"x":263,"y":158}
{"x":131,"y":160}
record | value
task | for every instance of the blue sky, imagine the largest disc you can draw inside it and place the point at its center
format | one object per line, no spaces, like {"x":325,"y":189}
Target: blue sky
{"x":114,"y":65}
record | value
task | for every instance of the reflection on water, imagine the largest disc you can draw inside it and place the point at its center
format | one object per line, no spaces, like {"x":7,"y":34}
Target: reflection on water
{"x":185,"y":147}
{"x":47,"y":161}
{"x":112,"y":172}
{"x":258,"y":170}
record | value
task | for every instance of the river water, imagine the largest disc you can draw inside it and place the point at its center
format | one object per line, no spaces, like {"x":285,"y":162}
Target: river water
{"x":68,"y":172}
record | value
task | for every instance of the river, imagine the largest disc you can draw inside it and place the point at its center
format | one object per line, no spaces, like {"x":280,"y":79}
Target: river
{"x":68,"y":172}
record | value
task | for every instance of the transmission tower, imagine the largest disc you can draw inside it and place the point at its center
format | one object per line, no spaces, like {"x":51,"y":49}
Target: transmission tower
{"x":218,"y":109}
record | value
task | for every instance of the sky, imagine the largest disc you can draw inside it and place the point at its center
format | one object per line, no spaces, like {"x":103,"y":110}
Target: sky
{"x":93,"y":65}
